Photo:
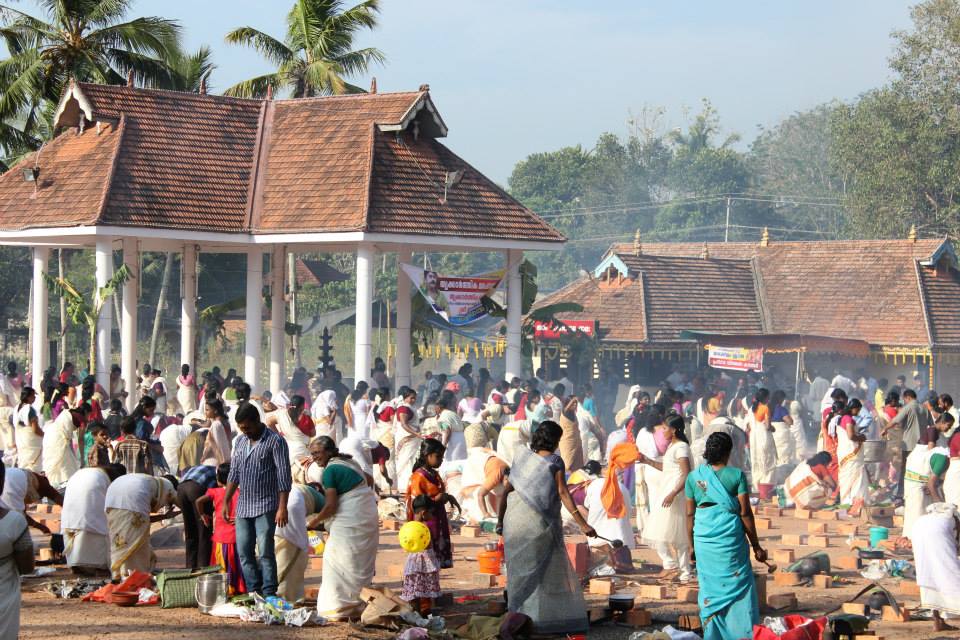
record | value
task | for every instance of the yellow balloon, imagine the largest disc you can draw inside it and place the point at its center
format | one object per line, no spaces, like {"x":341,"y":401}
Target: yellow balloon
{"x":414,"y":537}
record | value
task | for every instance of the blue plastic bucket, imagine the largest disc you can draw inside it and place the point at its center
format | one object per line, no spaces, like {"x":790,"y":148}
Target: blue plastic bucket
{"x":877,"y":534}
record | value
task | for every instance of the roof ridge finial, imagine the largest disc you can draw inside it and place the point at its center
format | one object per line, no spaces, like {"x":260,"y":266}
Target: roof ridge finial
{"x":424,"y":88}
{"x":912,"y":237}
{"x":203,"y":86}
{"x":637,"y":247}
{"x":130,"y":78}
{"x":705,"y":251}
{"x":373,"y":84}
{"x":765,"y":237}
{"x":269,"y":92}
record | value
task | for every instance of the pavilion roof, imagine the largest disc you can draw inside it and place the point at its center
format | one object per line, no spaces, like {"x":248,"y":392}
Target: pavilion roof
{"x":166,"y":159}
{"x":884,"y":292}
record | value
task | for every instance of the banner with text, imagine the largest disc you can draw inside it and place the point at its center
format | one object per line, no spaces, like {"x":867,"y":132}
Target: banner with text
{"x":735,"y":358}
{"x":454,"y":298}
{"x":554,"y":331}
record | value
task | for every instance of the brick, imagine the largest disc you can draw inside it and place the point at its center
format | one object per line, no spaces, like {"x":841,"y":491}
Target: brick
{"x":780,"y":601}
{"x":909,"y":588}
{"x":311,"y":593}
{"x":485,"y":580}
{"x":826,"y":515}
{"x":689,"y":622}
{"x":880,"y":512}
{"x":596,"y":614}
{"x":823,"y":582}
{"x":653,"y":592}
{"x":816,"y":527}
{"x":496,"y":607}
{"x":848,"y":528}
{"x":579,"y":555}
{"x":898,"y":521}
{"x":55,"y":508}
{"x":316,"y":563}
{"x":849,"y":563}
{"x":391,"y":524}
{"x":395,"y":571}
{"x":793,"y":540}
{"x":854,"y":608}
{"x":46,"y":555}
{"x":763,"y":524}
{"x":889,"y":545}
{"x":889,"y":615}
{"x":687,"y":594}
{"x":802,"y":514}
{"x":784,"y":556}
{"x":760,"y":583}
{"x":859,"y":543}
{"x":786,"y":578}
{"x":502,"y":581}
{"x":468,"y":531}
{"x":821,"y":542}
{"x":53,"y":525}
{"x":636,"y":618}
{"x":771,"y":512}
{"x":601,"y":587}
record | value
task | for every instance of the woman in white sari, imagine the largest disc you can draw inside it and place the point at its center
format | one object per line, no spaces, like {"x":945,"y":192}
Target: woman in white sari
{"x":810,"y":483}
{"x":291,"y":544}
{"x":186,"y":390}
{"x":852,"y":476}
{"x":27,"y":432}
{"x":451,"y":428}
{"x":284,"y":422}
{"x":763,"y":449}
{"x":800,"y":446}
{"x":781,"y":421}
{"x":938,"y":569}
{"x":84,"y":522}
{"x":922,"y":483}
{"x":350,"y":516}
{"x":407,"y":437}
{"x":482,"y":484}
{"x":951,"y":482}
{"x":324,"y":414}
{"x":16,"y":559}
{"x":128,"y":504}
{"x":60,"y":461}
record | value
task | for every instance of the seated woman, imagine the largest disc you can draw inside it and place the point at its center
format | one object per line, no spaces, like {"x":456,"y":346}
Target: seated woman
{"x":810,"y":484}
{"x":482,"y":484}
{"x":349,"y":515}
{"x":719,"y":523}
{"x":608,"y":511}
{"x":938,"y":570}
{"x":540,"y":581}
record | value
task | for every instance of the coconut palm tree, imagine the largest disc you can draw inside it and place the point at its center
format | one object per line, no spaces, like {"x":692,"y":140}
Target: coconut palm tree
{"x":88,"y":40}
{"x":317,"y":54}
{"x":189,"y":71}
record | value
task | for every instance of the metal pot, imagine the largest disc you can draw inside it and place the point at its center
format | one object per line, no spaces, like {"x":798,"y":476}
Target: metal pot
{"x":874,"y":451}
{"x":619,"y":603}
{"x":211,"y":590}
{"x":878,"y":600}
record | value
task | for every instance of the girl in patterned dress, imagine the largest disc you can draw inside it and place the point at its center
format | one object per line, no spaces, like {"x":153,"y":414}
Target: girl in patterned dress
{"x":421,"y":572}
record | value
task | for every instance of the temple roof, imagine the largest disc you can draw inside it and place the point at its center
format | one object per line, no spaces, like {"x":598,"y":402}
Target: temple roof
{"x":127,"y":156}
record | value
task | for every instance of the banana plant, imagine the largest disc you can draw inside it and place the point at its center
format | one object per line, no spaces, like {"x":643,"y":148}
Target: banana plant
{"x":84,"y":309}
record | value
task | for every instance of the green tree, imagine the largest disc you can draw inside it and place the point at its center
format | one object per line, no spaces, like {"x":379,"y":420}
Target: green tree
{"x":316,"y":57}
{"x":191,"y":71}
{"x":89,"y":40}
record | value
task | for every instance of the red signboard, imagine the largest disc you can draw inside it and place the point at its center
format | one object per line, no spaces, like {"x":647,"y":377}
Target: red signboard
{"x":550,"y":331}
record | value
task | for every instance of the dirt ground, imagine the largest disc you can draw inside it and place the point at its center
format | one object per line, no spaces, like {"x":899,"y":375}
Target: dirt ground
{"x":43,"y":616}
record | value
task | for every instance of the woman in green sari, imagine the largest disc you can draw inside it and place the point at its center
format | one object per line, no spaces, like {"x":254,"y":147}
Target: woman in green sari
{"x":719,"y":524}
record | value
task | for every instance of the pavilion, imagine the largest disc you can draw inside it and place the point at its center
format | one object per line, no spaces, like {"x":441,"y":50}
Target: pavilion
{"x":150,"y":170}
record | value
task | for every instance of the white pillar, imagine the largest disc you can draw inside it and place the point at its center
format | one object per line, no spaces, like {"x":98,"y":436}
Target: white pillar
{"x":251,"y":364}
{"x":40,"y":301}
{"x":188,"y":307}
{"x":514,"y":360}
{"x":128,"y":326}
{"x":404,"y":376}
{"x":363,"y":341}
{"x":277,"y":318}
{"x":104,"y":271}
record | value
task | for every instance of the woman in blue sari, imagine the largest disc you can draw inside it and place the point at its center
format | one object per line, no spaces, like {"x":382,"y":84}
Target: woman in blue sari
{"x":540,"y":581}
{"x":719,"y":524}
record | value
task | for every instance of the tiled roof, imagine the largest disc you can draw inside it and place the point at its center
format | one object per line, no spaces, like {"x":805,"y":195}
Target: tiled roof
{"x":317,"y":272}
{"x":941,"y":289}
{"x":213,"y":163}
{"x":865,"y":290}
{"x":666,"y":295}
{"x":74,"y":167}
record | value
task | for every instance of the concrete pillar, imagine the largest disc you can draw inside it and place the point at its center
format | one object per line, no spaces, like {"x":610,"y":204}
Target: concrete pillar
{"x":403,"y":375}
{"x":251,"y":364}
{"x":514,"y":360}
{"x":104,"y":271}
{"x":277,"y":318}
{"x":128,"y":326}
{"x":188,"y":308}
{"x":362,"y":355}
{"x":39,"y":355}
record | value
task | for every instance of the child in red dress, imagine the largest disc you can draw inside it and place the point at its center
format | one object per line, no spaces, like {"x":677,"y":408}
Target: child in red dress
{"x":224,"y":538}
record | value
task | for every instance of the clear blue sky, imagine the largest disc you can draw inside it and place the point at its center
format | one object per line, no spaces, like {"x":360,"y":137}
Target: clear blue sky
{"x":513,"y":77}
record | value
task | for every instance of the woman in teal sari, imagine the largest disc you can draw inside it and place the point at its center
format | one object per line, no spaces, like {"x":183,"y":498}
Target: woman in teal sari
{"x":719,"y":523}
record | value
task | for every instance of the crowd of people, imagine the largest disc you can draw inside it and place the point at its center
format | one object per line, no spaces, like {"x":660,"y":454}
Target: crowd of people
{"x":253,"y":476}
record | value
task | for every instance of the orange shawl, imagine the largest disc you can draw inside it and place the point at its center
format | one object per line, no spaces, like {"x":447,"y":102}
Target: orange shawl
{"x":622,"y":456}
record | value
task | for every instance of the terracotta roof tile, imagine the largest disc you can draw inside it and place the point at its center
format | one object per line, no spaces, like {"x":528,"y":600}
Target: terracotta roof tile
{"x":74,"y":169}
{"x":941,"y":289}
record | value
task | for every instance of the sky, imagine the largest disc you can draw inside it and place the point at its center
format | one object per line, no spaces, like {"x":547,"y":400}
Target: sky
{"x":515,"y":77}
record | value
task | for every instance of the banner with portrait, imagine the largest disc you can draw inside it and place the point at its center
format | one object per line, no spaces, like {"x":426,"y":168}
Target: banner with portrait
{"x":456,"y":299}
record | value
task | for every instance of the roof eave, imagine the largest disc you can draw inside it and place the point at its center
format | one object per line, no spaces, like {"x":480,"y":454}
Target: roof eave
{"x":423,"y":101}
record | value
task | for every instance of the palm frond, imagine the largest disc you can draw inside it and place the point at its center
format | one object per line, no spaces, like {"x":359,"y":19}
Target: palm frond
{"x":358,"y":62}
{"x":188,"y":71}
{"x":269,"y":47}
{"x":254,"y":87}
{"x":323,"y":78}
{"x":147,"y":71}
{"x":361,"y":16}
{"x":155,"y":36}
{"x":104,"y":12}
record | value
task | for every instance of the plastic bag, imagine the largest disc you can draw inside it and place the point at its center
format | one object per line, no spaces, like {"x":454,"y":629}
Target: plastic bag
{"x":797,"y":628}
